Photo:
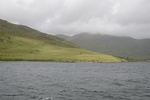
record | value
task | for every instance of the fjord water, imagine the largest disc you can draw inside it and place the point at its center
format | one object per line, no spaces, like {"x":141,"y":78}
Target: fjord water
{"x":74,"y":81}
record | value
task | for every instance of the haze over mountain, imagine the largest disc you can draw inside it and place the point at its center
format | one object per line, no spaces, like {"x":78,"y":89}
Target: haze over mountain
{"x":130,"y":18}
{"x":70,"y":17}
{"x":118,"y":46}
{"x":18,"y":42}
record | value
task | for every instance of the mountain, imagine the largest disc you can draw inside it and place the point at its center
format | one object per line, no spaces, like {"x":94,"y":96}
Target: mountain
{"x":126,"y":47}
{"x":62,"y":36}
{"x":19,"y":42}
{"x":7,"y":28}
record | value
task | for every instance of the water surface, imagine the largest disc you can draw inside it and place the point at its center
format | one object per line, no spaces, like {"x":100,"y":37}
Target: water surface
{"x":74,"y":81}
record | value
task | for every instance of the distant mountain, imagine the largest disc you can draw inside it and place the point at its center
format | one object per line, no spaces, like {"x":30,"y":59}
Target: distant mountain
{"x":65,"y":37}
{"x":18,"y":42}
{"x":126,"y":47}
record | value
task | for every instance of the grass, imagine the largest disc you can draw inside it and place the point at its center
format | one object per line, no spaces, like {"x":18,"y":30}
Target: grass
{"x":22,"y":43}
{"x":16,"y":48}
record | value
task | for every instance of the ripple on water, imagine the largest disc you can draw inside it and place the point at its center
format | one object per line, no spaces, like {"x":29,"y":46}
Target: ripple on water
{"x":74,"y":81}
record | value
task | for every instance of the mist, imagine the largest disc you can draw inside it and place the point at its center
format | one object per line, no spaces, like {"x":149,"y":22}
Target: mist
{"x":70,"y":17}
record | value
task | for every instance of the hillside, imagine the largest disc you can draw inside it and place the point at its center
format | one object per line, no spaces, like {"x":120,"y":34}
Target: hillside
{"x":21,"y":43}
{"x":126,"y":47}
{"x":7,"y":28}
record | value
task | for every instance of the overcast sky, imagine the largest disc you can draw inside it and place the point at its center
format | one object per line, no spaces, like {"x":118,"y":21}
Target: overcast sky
{"x":115,"y":17}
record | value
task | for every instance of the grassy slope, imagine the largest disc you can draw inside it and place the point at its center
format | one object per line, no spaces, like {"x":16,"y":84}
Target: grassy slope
{"x":19,"y":48}
{"x":118,"y":46}
{"x":42,"y":47}
{"x":24,"y":31}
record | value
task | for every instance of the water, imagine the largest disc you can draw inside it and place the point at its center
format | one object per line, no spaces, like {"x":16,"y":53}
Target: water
{"x":74,"y":81}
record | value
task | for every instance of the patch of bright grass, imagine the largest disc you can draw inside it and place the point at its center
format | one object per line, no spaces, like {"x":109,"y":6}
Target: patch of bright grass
{"x":15,"y":48}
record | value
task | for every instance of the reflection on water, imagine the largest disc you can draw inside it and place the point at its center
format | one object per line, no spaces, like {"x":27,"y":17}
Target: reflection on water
{"x":74,"y":81}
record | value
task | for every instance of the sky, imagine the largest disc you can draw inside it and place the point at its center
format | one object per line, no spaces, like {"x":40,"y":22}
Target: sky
{"x":70,"y":17}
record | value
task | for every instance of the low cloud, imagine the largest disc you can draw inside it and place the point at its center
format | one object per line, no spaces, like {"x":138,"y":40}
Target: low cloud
{"x":114,"y":17}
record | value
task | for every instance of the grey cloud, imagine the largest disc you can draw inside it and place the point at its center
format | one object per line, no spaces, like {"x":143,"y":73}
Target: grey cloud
{"x":115,"y":17}
{"x":133,"y":11}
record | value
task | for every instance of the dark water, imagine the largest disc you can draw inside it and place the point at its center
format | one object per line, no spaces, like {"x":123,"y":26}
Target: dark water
{"x":74,"y":81}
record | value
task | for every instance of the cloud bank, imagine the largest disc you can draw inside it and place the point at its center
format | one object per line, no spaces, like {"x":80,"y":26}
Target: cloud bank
{"x":114,"y":17}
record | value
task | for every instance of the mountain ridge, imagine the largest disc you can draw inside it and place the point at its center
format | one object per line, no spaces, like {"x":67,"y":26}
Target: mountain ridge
{"x":126,"y":47}
{"x":22,"y":43}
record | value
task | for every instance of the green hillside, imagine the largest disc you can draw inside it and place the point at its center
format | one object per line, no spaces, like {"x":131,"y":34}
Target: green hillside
{"x":126,"y":47}
{"x":21,"y":43}
{"x":7,"y":28}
